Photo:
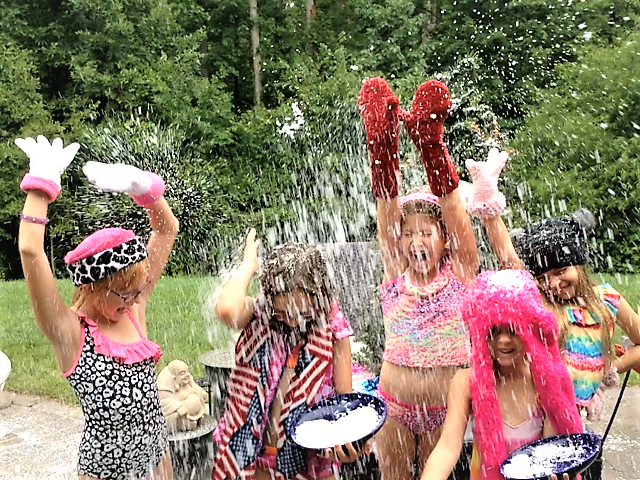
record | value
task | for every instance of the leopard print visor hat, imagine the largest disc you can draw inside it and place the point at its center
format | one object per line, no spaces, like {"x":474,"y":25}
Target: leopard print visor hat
{"x":103,"y":253}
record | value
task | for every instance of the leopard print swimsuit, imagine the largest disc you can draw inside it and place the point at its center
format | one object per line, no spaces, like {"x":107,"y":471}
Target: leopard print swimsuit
{"x":125,"y":431}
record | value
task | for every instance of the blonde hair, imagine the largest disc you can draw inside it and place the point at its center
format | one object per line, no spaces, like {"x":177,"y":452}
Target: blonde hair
{"x":121,"y":280}
{"x":589,"y":297}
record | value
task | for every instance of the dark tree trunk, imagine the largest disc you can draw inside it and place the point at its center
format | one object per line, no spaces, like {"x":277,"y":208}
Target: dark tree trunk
{"x":255,"y":50}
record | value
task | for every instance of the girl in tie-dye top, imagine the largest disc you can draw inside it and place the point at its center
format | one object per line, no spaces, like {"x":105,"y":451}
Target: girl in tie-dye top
{"x":555,"y":251}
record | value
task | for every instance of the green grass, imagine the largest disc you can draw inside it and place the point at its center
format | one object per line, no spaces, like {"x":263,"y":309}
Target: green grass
{"x":629,"y":287}
{"x":176,"y":319}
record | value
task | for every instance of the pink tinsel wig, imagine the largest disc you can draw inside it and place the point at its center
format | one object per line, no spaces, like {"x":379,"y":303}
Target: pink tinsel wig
{"x":510,"y":298}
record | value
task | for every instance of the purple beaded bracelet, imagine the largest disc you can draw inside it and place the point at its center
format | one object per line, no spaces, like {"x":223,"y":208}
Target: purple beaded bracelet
{"x":39,"y":221}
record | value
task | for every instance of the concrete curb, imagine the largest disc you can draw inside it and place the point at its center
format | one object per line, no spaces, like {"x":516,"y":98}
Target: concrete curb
{"x":39,"y":438}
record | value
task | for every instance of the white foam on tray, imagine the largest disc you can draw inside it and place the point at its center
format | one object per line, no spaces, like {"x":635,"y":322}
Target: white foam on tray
{"x":541,"y":461}
{"x":353,"y":426}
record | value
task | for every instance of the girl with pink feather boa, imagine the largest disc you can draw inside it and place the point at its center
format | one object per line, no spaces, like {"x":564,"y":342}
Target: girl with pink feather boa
{"x":517,"y":390}
{"x":555,"y":251}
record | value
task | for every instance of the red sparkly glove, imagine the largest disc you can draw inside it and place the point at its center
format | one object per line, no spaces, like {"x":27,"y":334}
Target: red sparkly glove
{"x":425,"y":125}
{"x":379,"y":109}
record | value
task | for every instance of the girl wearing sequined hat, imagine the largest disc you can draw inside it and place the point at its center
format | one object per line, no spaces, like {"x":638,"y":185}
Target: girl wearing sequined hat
{"x":555,"y":251}
{"x":100,"y":342}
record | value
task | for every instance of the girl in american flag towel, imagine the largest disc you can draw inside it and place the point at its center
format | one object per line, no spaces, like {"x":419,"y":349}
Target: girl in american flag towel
{"x":293,"y":351}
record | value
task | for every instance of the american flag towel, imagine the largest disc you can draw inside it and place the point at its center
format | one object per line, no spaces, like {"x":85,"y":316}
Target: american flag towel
{"x":246,"y":407}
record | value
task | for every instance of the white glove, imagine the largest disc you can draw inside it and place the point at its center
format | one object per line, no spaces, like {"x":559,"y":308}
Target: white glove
{"x":144,"y":187}
{"x":118,"y":177}
{"x":46,"y":163}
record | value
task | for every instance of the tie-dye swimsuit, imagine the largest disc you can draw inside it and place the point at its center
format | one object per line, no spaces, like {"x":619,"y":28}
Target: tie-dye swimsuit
{"x":424,"y":329}
{"x":583,"y":350}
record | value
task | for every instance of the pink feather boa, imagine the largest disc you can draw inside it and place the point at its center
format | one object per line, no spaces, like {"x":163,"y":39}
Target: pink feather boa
{"x":511,"y":298}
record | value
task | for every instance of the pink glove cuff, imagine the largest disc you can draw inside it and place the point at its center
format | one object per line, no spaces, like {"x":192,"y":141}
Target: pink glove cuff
{"x":153,"y":195}
{"x":595,"y":409}
{"x":31,"y":182}
{"x":488,"y":209}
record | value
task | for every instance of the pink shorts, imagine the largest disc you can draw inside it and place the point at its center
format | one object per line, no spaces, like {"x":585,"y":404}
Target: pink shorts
{"x":418,"y":419}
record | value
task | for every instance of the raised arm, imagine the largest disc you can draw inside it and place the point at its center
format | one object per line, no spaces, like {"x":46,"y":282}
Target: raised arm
{"x":629,"y":321}
{"x":380,"y":113}
{"x":234,"y":307}
{"x":164,"y":230}
{"x":488,"y":203}
{"x":54,"y":319}
{"x":445,"y":455}
{"x":464,"y":250}
{"x":425,"y":125}
{"x":147,"y":190}
{"x":388,"y":219}
{"x":502,"y":244}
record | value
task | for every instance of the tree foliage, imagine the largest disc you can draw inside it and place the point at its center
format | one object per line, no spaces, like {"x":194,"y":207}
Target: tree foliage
{"x":581,"y":148}
{"x":296,"y":167}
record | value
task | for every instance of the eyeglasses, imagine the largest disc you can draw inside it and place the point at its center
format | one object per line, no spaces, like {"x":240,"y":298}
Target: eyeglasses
{"x":284,"y":316}
{"x":131,"y":296}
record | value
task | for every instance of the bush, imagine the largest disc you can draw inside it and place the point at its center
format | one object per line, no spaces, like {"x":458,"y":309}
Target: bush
{"x":581,"y":148}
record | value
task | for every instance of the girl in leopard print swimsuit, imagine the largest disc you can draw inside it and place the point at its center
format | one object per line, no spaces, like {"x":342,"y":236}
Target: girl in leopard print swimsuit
{"x":100,"y":342}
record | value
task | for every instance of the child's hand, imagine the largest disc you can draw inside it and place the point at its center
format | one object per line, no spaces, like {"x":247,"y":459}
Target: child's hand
{"x":251,"y":257}
{"x":337,"y":454}
{"x":564,"y":477}
{"x":487,"y":200}
{"x":47,"y":162}
{"x":144,"y":187}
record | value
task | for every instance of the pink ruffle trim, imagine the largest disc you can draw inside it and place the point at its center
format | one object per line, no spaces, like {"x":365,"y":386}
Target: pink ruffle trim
{"x":129,"y":353}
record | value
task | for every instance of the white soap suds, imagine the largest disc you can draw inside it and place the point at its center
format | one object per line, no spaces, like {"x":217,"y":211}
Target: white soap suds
{"x":351,"y":427}
{"x":542,"y":461}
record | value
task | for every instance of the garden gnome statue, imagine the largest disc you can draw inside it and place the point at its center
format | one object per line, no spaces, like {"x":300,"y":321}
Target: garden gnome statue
{"x":182,"y":400}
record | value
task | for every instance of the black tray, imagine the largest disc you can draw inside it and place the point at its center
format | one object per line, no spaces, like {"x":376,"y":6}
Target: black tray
{"x":589,"y":442}
{"x":334,"y":407}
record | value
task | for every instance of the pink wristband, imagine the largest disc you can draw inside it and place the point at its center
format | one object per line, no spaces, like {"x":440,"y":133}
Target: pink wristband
{"x":155,"y":192}
{"x":31,"y":182}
